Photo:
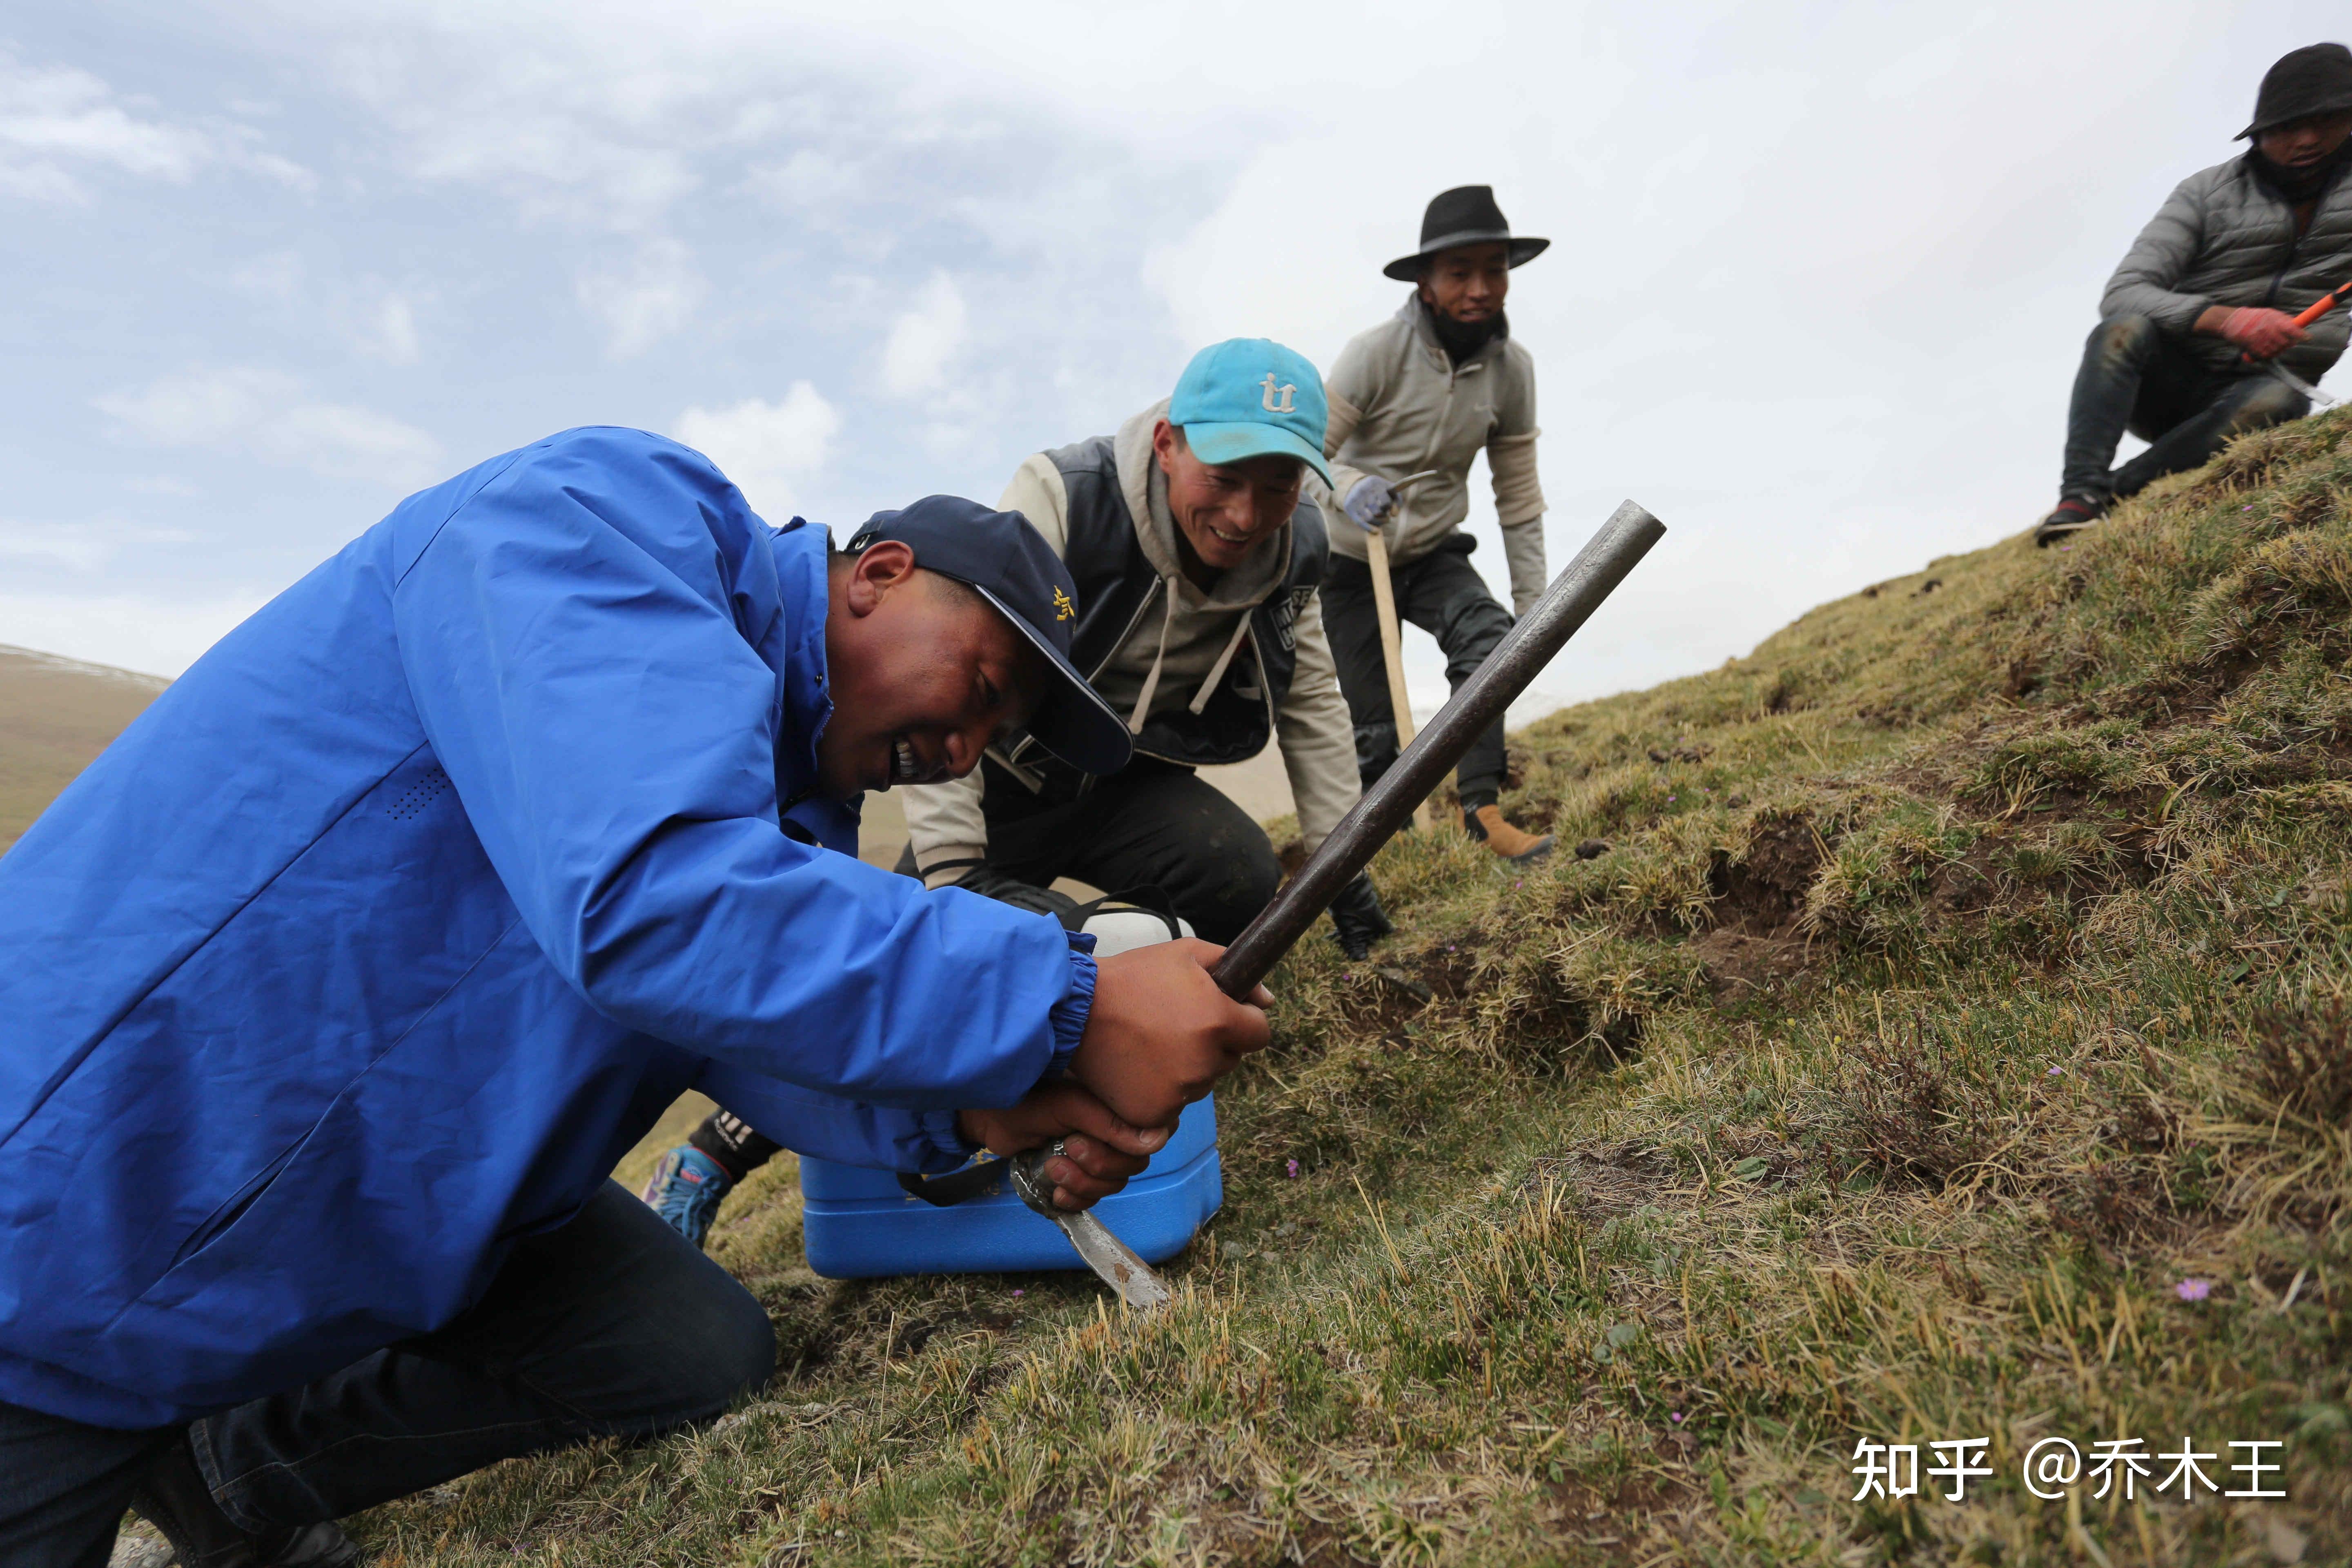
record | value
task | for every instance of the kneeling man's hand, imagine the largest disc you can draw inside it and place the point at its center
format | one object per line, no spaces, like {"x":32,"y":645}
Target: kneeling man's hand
{"x":1161,"y":1033}
{"x":1099,"y":1151}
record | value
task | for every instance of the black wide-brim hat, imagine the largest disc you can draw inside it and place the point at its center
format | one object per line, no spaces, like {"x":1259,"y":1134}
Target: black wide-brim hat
{"x":2314,"y":79}
{"x":1467,"y":214}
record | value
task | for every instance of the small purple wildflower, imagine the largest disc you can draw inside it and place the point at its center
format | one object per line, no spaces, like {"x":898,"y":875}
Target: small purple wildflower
{"x":1292,"y":1167}
{"x":1020,"y":1292}
{"x":1671,"y":799}
{"x":2057,"y":1072}
{"x":2193,"y":1290}
{"x":1677,"y":1415}
{"x":1520,"y":884}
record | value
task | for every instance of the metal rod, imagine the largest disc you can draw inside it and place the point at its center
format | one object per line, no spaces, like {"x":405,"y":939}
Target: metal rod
{"x":1517,"y":660}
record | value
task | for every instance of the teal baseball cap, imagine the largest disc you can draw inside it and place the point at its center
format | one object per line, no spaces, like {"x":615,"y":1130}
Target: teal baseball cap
{"x":1251,"y":397}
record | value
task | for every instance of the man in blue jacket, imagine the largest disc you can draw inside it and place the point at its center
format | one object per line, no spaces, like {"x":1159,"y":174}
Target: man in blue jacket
{"x":330,"y":992}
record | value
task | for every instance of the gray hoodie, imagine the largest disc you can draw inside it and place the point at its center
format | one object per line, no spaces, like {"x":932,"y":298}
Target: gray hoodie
{"x":1400,"y":404}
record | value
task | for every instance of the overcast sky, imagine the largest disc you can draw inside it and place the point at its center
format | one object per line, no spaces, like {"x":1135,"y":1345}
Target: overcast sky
{"x":1818,"y":278}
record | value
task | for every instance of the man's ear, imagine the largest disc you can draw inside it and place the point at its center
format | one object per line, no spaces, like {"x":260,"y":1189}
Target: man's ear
{"x":1164,"y":447}
{"x":876,"y":573}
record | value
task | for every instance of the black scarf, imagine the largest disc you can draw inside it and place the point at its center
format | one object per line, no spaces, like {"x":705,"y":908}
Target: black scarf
{"x":1461,"y":340}
{"x":2296,"y":186}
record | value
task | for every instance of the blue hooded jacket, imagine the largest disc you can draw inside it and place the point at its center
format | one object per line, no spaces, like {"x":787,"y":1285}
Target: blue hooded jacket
{"x":392,"y":925}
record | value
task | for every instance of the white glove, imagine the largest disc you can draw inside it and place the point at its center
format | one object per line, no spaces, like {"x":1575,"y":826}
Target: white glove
{"x":1370,"y":500}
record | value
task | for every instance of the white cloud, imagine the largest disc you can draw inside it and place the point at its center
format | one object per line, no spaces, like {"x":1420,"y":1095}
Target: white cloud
{"x":389,"y":330}
{"x":924,"y":339}
{"x":79,"y":547}
{"x":645,"y":301}
{"x":272,"y":417}
{"x":162,"y":632}
{"x":54,"y":118}
{"x":767,"y":448}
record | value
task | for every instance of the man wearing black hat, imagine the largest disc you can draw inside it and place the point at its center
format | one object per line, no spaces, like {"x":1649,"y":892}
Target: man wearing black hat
{"x":1422,"y":394}
{"x":2197,"y":340}
{"x":330,"y":994}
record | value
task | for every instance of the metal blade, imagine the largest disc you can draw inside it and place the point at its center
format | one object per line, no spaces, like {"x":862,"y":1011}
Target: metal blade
{"x":2298,"y":384}
{"x":1112,"y":1260}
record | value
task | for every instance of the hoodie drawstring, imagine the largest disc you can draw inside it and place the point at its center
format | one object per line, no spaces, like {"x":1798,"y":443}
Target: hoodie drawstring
{"x":1217,"y":670}
{"x":1151,"y":682}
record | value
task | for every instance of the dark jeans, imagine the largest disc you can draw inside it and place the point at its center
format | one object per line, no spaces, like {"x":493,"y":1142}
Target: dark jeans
{"x":2136,"y":376}
{"x":1150,"y":825}
{"x":613,"y":1325}
{"x":1443,"y":594}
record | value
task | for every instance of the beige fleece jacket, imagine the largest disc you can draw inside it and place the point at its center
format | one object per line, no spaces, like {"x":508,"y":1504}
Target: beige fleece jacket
{"x":1400,"y":405}
{"x":1180,"y":650}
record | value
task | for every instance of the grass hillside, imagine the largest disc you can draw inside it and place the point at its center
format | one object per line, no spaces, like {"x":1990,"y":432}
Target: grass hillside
{"x":1941,"y":1033}
{"x":55,"y":714}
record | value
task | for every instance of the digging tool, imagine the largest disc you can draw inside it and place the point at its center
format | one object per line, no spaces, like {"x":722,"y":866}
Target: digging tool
{"x":1376,"y":555}
{"x":1517,"y":660}
{"x":2310,"y":313}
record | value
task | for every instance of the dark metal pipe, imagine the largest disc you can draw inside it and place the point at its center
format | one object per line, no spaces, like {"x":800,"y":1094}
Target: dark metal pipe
{"x":1517,"y":660}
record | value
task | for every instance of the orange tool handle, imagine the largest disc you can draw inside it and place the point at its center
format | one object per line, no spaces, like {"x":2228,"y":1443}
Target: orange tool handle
{"x":2321,"y":306}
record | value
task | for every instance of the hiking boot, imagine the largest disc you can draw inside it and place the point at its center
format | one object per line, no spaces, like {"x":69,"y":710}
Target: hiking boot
{"x":1487,"y":826}
{"x":686,"y":1189}
{"x":173,"y":1497}
{"x":2071,"y":515}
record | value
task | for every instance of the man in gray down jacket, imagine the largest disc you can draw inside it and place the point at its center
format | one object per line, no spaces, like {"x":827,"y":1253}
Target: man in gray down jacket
{"x":2197,"y":340}
{"x":1195,"y":561}
{"x":1428,"y":390}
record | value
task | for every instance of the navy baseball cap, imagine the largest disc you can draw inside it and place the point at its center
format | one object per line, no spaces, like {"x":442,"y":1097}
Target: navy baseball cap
{"x":1251,"y":397}
{"x":1007,"y":561}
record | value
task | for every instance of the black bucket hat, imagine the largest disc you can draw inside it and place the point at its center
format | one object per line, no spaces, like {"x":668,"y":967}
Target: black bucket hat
{"x":1467,"y":214}
{"x":2314,"y":79}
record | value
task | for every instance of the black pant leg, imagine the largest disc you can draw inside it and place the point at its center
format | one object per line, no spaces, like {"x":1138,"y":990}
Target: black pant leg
{"x":1157,"y":826}
{"x":2107,"y":387}
{"x":64,"y":1486}
{"x":613,"y":1325}
{"x":2187,"y":413}
{"x":1443,"y":594}
{"x":1351,"y":622}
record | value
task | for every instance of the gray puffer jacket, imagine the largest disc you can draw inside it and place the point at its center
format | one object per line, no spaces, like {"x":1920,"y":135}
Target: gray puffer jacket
{"x":2224,"y":238}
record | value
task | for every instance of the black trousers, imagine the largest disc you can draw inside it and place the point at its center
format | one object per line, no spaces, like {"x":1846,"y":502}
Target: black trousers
{"x":613,"y":1325}
{"x":2136,"y":376}
{"x":1443,"y":594}
{"x":1150,"y":825}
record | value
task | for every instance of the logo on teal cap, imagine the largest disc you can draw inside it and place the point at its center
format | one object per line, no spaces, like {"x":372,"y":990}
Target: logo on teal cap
{"x":1252,"y":397}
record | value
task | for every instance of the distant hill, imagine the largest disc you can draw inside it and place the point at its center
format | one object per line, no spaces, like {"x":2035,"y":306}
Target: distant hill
{"x":56,"y":715}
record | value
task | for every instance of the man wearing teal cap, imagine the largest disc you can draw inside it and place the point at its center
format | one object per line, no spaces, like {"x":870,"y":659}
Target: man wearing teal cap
{"x":1196,"y":556}
{"x":1197,"y":559}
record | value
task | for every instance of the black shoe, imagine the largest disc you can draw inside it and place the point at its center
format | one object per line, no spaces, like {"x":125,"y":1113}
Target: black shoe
{"x":173,"y":1497}
{"x":2071,"y":515}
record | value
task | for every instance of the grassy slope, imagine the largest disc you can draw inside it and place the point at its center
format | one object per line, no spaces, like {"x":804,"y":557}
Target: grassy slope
{"x":55,"y":714}
{"x":1963,"y":971}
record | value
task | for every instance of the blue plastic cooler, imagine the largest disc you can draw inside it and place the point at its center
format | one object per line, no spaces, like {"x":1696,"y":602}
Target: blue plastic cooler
{"x":859,"y":1223}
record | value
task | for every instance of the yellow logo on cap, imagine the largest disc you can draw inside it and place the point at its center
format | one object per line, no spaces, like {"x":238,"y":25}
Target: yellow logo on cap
{"x":1062,"y":609}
